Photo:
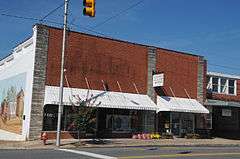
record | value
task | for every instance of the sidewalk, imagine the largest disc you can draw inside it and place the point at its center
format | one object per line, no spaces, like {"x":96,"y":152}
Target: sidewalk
{"x":73,"y":143}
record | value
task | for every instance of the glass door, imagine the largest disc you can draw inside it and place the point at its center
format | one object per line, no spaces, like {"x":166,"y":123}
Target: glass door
{"x":175,"y":123}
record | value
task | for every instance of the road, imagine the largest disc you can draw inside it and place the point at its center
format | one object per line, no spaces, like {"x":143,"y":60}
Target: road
{"x":127,"y":153}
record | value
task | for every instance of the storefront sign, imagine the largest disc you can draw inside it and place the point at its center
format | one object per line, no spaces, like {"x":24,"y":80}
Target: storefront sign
{"x":158,"y":80}
{"x":226,"y":112}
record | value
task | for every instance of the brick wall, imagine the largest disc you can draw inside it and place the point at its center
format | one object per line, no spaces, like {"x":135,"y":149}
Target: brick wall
{"x":97,"y":59}
{"x":180,"y":72}
{"x":112,"y":60}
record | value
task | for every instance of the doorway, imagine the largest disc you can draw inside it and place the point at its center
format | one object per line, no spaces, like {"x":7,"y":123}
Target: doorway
{"x":181,"y":123}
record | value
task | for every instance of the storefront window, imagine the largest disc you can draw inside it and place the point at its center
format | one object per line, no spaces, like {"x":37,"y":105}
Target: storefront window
{"x":148,"y":121}
{"x":119,"y":123}
{"x":50,"y":118}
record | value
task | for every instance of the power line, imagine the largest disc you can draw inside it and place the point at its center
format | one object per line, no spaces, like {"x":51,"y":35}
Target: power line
{"x":105,"y":21}
{"x":19,"y":17}
{"x":118,"y":14}
{"x":52,"y":11}
{"x":29,"y":18}
{"x":224,"y":66}
{"x":91,"y":30}
{"x":96,"y":32}
{"x":53,"y":22}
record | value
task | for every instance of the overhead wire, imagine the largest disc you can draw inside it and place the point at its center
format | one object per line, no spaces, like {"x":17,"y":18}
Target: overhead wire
{"x":52,"y":22}
{"x":43,"y":19}
{"x":224,"y":66}
{"x":29,"y":18}
{"x":91,"y":30}
{"x":119,"y":13}
{"x":52,"y":11}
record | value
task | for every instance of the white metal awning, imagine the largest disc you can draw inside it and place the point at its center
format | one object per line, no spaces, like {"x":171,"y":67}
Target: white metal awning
{"x":104,"y":99}
{"x":175,"y":104}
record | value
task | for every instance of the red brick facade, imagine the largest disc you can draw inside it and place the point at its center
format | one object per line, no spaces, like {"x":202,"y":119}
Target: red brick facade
{"x":111,"y":60}
{"x":97,"y":59}
{"x":180,"y":71}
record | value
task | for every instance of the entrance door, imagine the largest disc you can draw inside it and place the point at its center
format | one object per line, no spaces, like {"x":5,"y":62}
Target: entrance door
{"x":175,"y":123}
{"x":186,"y":123}
{"x":181,"y":123}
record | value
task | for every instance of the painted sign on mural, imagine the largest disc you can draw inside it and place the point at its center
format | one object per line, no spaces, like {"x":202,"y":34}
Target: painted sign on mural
{"x":12,"y":103}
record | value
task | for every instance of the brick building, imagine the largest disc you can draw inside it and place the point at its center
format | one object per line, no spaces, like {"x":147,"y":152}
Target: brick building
{"x":119,"y":73}
{"x":223,"y":99}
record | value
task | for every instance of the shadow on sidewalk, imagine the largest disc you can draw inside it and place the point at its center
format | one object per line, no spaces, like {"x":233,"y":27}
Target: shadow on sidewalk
{"x":94,"y":142}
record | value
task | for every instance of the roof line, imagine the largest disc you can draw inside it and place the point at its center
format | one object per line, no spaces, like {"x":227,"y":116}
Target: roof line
{"x":16,"y":45}
{"x":124,"y":41}
{"x":219,"y":74}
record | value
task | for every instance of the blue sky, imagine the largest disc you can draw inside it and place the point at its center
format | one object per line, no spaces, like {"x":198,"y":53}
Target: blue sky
{"x":210,"y":28}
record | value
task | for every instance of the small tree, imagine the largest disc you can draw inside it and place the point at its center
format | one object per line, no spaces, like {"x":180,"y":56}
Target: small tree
{"x":84,"y":116}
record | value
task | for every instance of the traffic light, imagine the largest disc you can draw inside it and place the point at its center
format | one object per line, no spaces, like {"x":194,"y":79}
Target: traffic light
{"x":89,"y":8}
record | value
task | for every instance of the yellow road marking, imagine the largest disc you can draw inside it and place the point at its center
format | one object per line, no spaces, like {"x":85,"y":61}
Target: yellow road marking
{"x":170,"y":148}
{"x":181,"y":155}
{"x":137,"y":149}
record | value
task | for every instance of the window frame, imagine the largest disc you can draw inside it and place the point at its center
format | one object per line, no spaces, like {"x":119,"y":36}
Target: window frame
{"x":213,"y":84}
{"x":234,"y":87}
{"x":217,"y":87}
{"x":225,"y":86}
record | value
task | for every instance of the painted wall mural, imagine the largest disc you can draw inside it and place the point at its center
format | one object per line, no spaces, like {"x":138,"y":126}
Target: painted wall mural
{"x":12,"y":103}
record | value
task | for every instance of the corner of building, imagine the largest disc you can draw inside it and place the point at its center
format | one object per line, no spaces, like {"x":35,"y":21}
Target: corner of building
{"x":39,"y":75}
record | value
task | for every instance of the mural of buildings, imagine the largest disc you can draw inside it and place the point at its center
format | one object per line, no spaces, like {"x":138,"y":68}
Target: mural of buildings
{"x":20,"y":104}
{"x":12,"y":103}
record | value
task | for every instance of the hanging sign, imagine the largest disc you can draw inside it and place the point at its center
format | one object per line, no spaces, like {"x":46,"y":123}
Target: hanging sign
{"x":158,"y":80}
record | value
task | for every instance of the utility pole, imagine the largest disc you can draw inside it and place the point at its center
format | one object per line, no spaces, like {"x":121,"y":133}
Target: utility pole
{"x":60,"y":106}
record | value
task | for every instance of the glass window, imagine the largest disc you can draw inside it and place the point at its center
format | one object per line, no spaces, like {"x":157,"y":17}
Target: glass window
{"x":221,"y":85}
{"x":118,"y":123}
{"x":231,"y":86}
{"x":209,"y":84}
{"x":148,"y":121}
{"x":50,"y":118}
{"x":223,"y":88}
{"x":215,"y":84}
{"x":231,"y":83}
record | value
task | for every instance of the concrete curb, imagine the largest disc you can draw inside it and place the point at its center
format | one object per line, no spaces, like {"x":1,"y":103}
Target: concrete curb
{"x":197,"y":145}
{"x":114,"y":146}
{"x":73,"y":144}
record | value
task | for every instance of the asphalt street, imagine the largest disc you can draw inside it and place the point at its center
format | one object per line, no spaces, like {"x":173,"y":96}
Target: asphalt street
{"x":169,"y":152}
{"x":127,"y":153}
{"x":39,"y":154}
